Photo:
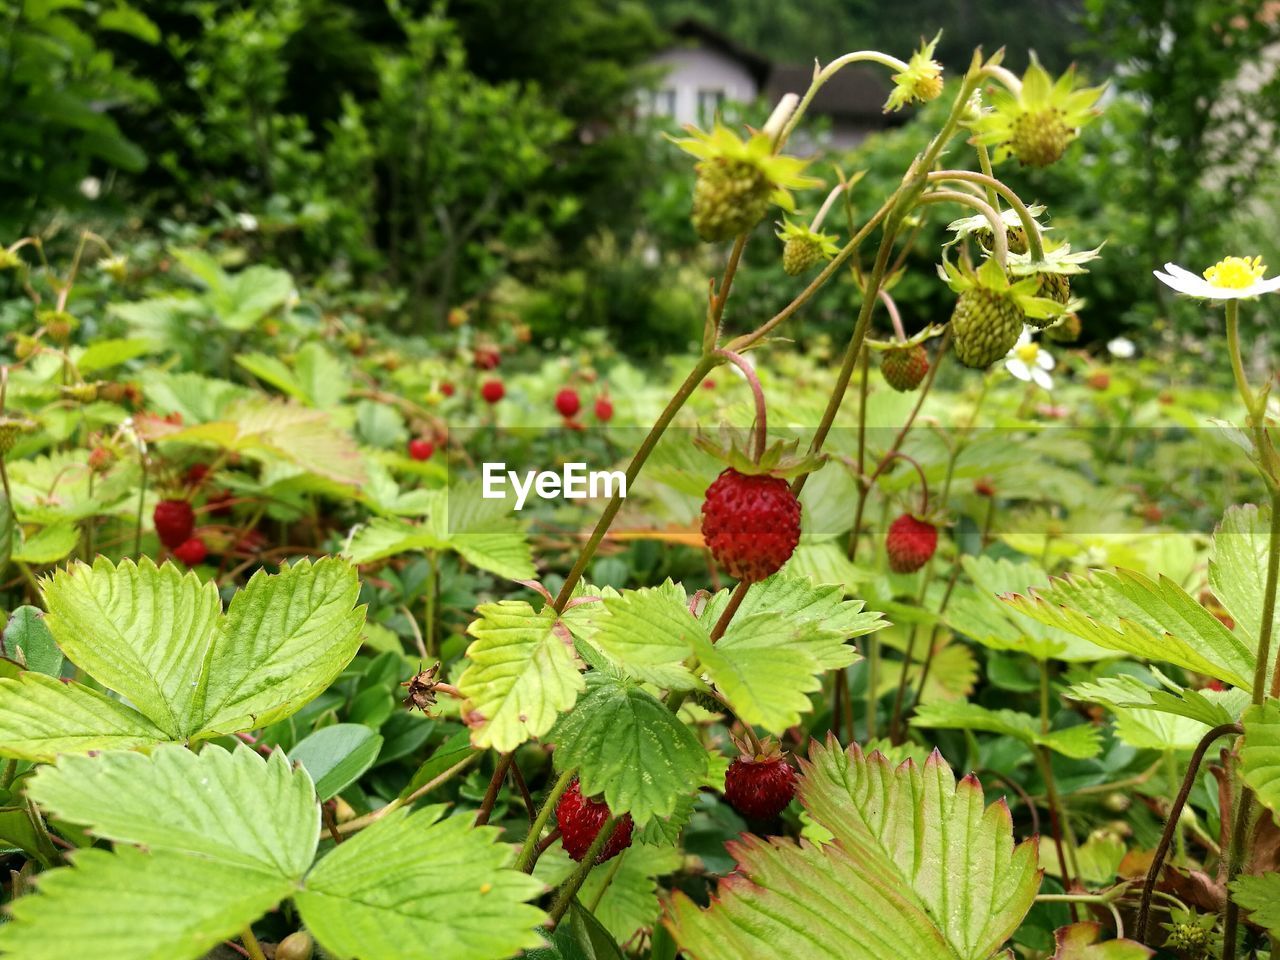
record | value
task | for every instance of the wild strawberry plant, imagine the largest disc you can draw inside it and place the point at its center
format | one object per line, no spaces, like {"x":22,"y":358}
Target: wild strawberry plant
{"x":246,"y":538}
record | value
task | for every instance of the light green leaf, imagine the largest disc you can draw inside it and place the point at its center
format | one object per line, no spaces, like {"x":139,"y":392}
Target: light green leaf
{"x":419,"y":879}
{"x":648,"y":633}
{"x":624,"y":892}
{"x":140,"y":630}
{"x":801,"y":601}
{"x":104,"y":354}
{"x":933,"y":835}
{"x":285,"y":639}
{"x":1238,"y":571}
{"x":273,"y":371}
{"x":1152,"y":620}
{"x":1156,"y":730}
{"x":125,"y":19}
{"x":41,"y":717}
{"x":322,"y":376}
{"x":131,"y":905}
{"x":521,"y":674}
{"x":49,"y":544}
{"x":238,"y":807}
{"x":627,"y":745}
{"x":384,"y":537}
{"x":1079,"y":742}
{"x":917,"y":868}
{"x":1260,"y":755}
{"x":765,"y":676}
{"x":335,"y":757}
{"x":27,"y":641}
{"x":1125,"y":692}
{"x":1260,"y":895}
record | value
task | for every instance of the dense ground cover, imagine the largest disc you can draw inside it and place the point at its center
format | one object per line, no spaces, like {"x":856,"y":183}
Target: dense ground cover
{"x":938,"y":646}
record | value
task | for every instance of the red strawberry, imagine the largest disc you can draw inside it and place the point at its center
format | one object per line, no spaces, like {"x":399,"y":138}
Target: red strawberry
{"x":174,"y":521}
{"x":191,"y":552}
{"x":567,"y":402}
{"x":196,"y":474}
{"x":604,"y":409}
{"x":760,"y":787}
{"x":984,"y":487}
{"x":910,"y":543}
{"x":487,"y":358}
{"x":420,"y":449}
{"x":750,"y":523}
{"x":447,"y":389}
{"x":493,"y":391}
{"x":580,"y":819}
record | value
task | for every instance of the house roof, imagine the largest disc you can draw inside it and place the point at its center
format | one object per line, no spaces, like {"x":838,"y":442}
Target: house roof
{"x":692,"y":29}
{"x":857,"y":92}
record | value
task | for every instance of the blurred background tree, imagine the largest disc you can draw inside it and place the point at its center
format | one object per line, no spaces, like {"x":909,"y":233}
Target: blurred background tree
{"x":491,"y":156}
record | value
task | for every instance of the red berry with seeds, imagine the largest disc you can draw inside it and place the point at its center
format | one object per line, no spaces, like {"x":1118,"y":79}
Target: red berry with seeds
{"x":751,"y":524}
{"x":493,"y":391}
{"x":420,"y":449}
{"x":191,"y":552}
{"x":580,"y":819}
{"x":910,"y":543}
{"x":760,"y":787}
{"x":567,"y":402}
{"x":448,"y":389}
{"x":174,"y":520}
{"x":604,"y":409}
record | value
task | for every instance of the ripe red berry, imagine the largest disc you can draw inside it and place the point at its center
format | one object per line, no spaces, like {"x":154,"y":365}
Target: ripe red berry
{"x":910,"y":543}
{"x":420,"y":449}
{"x":604,"y":409}
{"x":487,"y":358}
{"x":984,"y":487}
{"x":580,"y":819}
{"x":760,"y":789}
{"x":191,"y":552}
{"x":567,"y":402}
{"x":174,"y":520}
{"x":196,"y":474}
{"x":447,"y":389}
{"x":493,"y":391}
{"x":751,"y":524}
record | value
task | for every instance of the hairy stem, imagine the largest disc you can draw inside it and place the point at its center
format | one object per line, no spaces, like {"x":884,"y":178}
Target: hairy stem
{"x":569,"y":889}
{"x":529,"y":849}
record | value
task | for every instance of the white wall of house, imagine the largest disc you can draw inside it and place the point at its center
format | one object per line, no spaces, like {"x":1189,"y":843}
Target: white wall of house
{"x":697,"y":81}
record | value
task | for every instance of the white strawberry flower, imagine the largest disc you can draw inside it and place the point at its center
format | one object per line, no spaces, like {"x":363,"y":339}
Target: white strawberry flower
{"x":1030,"y":362}
{"x":1230,"y":279}
{"x":1121,"y":348}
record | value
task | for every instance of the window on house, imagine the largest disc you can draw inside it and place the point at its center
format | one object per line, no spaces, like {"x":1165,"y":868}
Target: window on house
{"x":710,"y":103}
{"x":662,"y":103}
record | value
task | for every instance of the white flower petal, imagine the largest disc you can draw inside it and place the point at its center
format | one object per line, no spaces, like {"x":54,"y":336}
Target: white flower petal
{"x":1121,"y":347}
{"x":1018,"y":368}
{"x":1042,"y":379}
{"x":1044,"y":360}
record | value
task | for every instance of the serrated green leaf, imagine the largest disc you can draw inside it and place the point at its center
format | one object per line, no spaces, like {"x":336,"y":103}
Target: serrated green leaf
{"x":285,"y":638}
{"x":1238,"y":571}
{"x":131,"y":905}
{"x":625,"y":893}
{"x":647,"y":633}
{"x":137,"y":629}
{"x":1260,"y":755}
{"x":520,"y":676}
{"x":18,"y":832}
{"x":1260,"y":895}
{"x":800,"y":601}
{"x":419,"y":879}
{"x":49,"y":544}
{"x":41,"y":717}
{"x":1079,"y":742}
{"x":765,"y":677}
{"x":1209,"y":707}
{"x":236,"y":807}
{"x":1157,"y":621}
{"x":107,"y":353}
{"x":27,"y":641}
{"x":627,"y":745}
{"x":335,"y":757}
{"x":918,"y":868}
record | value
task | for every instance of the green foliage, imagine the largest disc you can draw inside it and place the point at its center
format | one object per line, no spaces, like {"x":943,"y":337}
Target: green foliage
{"x":160,"y":639}
{"x":1260,"y":756}
{"x":916,"y":862}
{"x":242,"y":839}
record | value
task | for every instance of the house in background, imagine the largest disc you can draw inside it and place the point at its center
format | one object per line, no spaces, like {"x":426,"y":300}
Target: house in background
{"x":703,"y":70}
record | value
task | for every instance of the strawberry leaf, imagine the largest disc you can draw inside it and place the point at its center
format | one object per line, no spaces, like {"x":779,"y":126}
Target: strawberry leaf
{"x":1260,"y":755}
{"x":626,"y":744}
{"x":521,"y":674}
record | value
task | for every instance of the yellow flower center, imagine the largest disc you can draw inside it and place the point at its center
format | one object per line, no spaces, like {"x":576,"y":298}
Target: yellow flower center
{"x":1028,"y":352}
{"x":1236,"y":273}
